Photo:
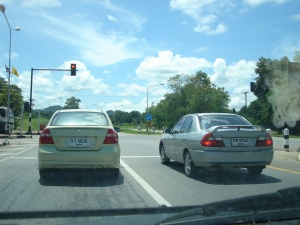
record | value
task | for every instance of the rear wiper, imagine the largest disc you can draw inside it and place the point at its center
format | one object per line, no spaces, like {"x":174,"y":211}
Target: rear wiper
{"x":281,"y":204}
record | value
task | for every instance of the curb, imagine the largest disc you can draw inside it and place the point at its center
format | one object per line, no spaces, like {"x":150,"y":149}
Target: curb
{"x":291,"y":155}
{"x":5,"y":142}
{"x":14,"y":136}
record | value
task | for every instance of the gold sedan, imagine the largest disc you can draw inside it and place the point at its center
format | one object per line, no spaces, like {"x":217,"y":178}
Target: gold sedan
{"x":79,"y":139}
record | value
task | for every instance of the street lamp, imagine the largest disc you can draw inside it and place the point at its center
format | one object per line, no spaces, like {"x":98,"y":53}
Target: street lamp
{"x":2,"y":9}
{"x":245,"y":93}
{"x":98,"y":106}
{"x":53,"y":99}
{"x":148,"y":91}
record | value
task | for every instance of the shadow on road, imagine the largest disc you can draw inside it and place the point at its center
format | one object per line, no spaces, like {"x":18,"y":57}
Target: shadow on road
{"x":226,"y":176}
{"x":82,"y":178}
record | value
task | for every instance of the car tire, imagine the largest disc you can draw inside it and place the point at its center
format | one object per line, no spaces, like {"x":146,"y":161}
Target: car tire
{"x":163,"y":158}
{"x":255,"y":170}
{"x":189,"y":167}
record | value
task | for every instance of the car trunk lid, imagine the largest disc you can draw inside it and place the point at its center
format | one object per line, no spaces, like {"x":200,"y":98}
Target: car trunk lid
{"x":79,"y":138}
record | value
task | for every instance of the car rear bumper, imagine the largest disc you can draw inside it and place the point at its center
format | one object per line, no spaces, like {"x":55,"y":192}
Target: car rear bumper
{"x":50,"y":158}
{"x":238,"y":159}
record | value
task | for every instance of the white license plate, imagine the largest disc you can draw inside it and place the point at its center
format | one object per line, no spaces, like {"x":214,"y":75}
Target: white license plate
{"x":78,"y":142}
{"x":239,"y":141}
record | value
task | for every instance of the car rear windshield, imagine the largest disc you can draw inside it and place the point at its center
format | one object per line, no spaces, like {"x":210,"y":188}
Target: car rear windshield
{"x":79,"y":119}
{"x":208,"y":121}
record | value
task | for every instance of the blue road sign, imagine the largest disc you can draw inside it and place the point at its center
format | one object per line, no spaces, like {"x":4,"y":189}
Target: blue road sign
{"x":148,"y":117}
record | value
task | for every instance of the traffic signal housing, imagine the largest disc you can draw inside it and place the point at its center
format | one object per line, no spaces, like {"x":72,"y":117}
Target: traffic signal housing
{"x":252,"y":86}
{"x":73,"y":69}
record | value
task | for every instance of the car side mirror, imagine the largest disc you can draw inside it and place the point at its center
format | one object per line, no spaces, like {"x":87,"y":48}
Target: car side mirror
{"x":168,"y":131}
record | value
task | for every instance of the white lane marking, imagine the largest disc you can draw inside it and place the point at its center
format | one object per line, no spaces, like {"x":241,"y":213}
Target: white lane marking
{"x":137,"y":156}
{"x":157,"y":197}
{"x":25,"y":157}
{"x":7,"y":154}
{"x":13,"y":149}
{"x":18,"y":153}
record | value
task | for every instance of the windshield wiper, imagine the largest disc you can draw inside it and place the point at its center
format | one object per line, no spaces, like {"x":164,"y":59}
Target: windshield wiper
{"x":282,"y":204}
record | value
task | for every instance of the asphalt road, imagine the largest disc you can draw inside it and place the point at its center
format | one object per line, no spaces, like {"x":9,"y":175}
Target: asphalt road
{"x":144,"y":181}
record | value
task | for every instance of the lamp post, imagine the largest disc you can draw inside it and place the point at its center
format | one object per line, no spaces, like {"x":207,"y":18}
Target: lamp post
{"x":2,"y":9}
{"x":245,"y":93}
{"x":148,"y":91}
{"x":52,"y":99}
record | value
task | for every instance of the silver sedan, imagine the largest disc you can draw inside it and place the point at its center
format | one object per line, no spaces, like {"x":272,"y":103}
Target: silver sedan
{"x":216,"y":140}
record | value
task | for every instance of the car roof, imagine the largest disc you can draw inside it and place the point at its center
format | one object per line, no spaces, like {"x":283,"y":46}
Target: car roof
{"x":80,"y":110}
{"x":214,"y":114}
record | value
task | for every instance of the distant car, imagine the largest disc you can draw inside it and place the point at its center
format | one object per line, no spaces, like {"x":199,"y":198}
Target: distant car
{"x":79,"y":139}
{"x":215,"y":140}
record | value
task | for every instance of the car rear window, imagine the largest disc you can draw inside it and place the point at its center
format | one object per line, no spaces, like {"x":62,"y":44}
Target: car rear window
{"x":217,"y":120}
{"x":79,"y":119}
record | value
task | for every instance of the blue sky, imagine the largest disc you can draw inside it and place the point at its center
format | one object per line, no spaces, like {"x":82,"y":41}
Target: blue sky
{"x":123,"y":47}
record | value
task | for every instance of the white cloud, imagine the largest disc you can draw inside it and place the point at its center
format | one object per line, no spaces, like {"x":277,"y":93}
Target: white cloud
{"x":296,"y":17}
{"x":40,"y":3}
{"x":111,"y":18}
{"x":82,"y":81}
{"x":287,"y":47}
{"x":47,"y":86}
{"x":204,"y":13}
{"x":235,"y":79}
{"x":130,"y":89}
{"x":167,"y":64}
{"x":260,"y":2}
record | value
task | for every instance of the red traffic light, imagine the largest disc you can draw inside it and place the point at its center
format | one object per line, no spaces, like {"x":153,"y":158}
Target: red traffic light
{"x":73,"y":69}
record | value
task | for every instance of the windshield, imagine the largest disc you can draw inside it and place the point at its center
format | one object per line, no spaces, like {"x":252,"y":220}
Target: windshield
{"x":147,"y":104}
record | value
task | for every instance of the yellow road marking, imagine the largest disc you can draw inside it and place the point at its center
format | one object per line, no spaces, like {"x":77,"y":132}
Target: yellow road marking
{"x":284,"y":170}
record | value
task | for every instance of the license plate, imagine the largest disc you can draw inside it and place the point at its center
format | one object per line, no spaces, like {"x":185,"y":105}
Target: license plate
{"x":239,"y":141}
{"x":78,"y":142}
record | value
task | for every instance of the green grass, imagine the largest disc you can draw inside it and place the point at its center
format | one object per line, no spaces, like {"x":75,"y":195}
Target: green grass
{"x":144,"y":131}
{"x":34,"y":123}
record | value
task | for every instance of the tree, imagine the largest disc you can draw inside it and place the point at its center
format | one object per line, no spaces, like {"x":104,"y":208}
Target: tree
{"x":16,"y":98}
{"x":72,"y":103}
{"x":191,"y":94}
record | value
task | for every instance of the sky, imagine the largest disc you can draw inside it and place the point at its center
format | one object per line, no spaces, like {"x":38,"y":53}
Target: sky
{"x":124,"y":50}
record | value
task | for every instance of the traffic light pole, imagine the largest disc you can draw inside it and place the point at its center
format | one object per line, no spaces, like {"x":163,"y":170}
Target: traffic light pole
{"x":30,"y":100}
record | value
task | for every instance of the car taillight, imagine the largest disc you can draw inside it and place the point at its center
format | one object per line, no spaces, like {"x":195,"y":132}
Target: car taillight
{"x":209,"y":140}
{"x":46,"y":137}
{"x":111,"y":137}
{"x":264,"y":141}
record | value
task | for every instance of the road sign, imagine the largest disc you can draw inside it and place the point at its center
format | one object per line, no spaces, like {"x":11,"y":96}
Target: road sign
{"x":148,"y":117}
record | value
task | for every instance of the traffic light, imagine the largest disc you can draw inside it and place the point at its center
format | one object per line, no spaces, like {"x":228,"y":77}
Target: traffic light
{"x":73,"y":69}
{"x":252,"y":86}
{"x":26,"y":107}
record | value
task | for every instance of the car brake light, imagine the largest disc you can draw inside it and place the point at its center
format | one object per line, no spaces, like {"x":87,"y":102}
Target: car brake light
{"x":46,"y":137}
{"x":209,"y":140}
{"x":111,"y":137}
{"x":265,"y":141}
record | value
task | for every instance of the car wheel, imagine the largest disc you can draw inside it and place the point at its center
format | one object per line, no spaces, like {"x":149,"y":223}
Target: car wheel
{"x":189,"y":167}
{"x":163,"y":158}
{"x":255,"y":170}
